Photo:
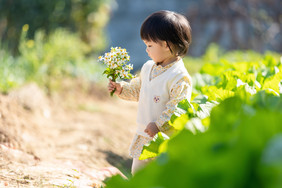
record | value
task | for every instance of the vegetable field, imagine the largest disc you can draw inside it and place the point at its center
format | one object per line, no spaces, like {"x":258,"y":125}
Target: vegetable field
{"x":228,"y":135}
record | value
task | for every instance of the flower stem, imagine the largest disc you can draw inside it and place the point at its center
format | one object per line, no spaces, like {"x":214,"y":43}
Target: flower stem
{"x":114,"y":80}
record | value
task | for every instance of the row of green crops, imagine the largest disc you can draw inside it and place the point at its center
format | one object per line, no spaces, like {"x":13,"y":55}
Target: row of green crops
{"x":47,"y":60}
{"x":229,"y":135}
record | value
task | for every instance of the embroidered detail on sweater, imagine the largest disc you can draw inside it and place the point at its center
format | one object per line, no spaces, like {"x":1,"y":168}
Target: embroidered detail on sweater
{"x":157,"y":99}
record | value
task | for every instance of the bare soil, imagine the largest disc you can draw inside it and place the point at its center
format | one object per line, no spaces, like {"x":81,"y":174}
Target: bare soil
{"x":76,"y":137}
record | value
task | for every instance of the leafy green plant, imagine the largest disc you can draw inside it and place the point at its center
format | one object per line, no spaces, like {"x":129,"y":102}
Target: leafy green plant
{"x":231,"y":79}
{"x":229,"y":135}
{"x":10,"y":75}
{"x":47,"y":60}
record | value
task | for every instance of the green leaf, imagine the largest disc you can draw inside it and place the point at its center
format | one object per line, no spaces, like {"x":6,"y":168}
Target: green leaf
{"x":280,"y":88}
{"x":200,"y":80}
{"x":184,"y":105}
{"x":273,"y":82}
{"x":200,"y":99}
{"x":195,"y":125}
{"x":205,"y":108}
{"x":180,"y":122}
{"x":213,"y":69}
{"x":151,"y":150}
{"x":216,"y":94}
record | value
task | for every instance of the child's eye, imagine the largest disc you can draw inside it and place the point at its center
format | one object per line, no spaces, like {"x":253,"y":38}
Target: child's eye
{"x":149,"y":45}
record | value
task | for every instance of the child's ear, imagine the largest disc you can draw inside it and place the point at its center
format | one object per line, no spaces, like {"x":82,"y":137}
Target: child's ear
{"x":166,"y":45}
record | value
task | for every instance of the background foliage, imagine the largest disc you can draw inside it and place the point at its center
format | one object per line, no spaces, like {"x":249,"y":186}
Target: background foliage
{"x":86,"y":17}
{"x":45,"y":41}
{"x":47,"y":60}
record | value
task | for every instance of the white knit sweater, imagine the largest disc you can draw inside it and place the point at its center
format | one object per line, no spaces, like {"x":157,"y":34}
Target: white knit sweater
{"x":154,"y":94}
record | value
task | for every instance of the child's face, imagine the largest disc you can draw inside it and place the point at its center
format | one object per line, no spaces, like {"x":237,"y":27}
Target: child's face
{"x":159,"y":52}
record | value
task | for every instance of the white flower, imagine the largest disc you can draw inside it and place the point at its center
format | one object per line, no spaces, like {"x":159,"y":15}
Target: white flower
{"x":116,"y":60}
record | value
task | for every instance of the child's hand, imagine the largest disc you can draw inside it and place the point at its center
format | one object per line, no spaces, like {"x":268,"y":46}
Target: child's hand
{"x":152,"y":129}
{"x":113,"y":85}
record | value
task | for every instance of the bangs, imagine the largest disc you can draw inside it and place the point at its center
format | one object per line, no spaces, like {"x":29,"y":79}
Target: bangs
{"x":148,"y":33}
{"x":152,"y":29}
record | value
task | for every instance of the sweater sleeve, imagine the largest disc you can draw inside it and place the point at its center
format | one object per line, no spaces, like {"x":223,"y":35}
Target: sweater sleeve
{"x":130,"y":91}
{"x":179,"y":91}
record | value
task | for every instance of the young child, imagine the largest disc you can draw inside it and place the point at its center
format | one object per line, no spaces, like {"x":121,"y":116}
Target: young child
{"x":163,"y":81}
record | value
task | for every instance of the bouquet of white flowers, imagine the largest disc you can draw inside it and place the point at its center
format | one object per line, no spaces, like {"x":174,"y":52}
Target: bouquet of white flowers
{"x":116,"y":62}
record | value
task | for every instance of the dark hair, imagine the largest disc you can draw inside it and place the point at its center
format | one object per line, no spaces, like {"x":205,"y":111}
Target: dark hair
{"x":168,"y":26}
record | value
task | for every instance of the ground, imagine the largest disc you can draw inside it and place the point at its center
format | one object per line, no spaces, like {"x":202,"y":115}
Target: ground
{"x":75,"y":137}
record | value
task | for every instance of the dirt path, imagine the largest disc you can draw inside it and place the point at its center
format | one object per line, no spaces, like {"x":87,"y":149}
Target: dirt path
{"x":75,"y":142}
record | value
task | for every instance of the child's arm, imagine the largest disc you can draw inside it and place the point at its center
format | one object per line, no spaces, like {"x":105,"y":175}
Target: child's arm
{"x":127,"y":91}
{"x":179,"y":92}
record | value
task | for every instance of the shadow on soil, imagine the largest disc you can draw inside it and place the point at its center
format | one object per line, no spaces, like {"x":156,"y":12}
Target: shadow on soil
{"x":120,"y":162}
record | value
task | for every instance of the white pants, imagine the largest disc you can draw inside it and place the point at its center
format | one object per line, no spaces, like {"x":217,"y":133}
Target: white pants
{"x":138,"y":164}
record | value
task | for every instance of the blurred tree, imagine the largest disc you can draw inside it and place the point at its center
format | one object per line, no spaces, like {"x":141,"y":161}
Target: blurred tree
{"x":236,"y":24}
{"x":88,"y":17}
